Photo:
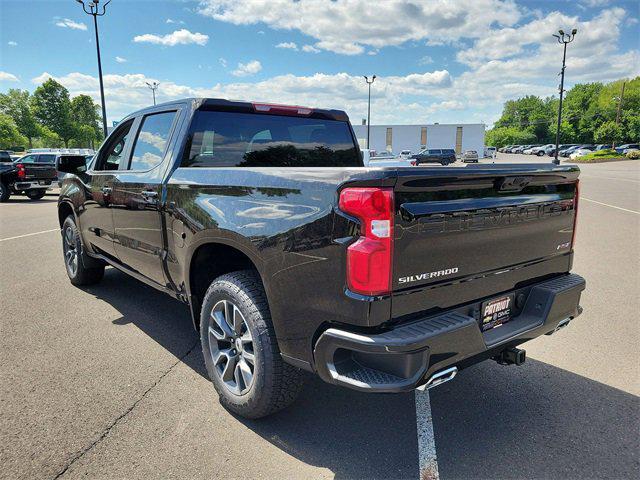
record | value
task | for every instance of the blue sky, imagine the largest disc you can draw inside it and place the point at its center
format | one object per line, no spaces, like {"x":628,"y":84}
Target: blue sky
{"x":436,"y":61}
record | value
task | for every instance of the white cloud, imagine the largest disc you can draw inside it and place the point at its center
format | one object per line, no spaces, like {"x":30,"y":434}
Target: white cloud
{"x":121,"y":59}
{"x":246,"y":69}
{"x":223,"y":62}
{"x":68,"y":23}
{"x":287,"y":45}
{"x":390,"y":95}
{"x":8,"y":77}
{"x":179,"y":37}
{"x":171,"y":20}
{"x":373,"y":52}
{"x":426,"y":60}
{"x":347,"y":26}
{"x":310,"y":49}
{"x":11,"y":43}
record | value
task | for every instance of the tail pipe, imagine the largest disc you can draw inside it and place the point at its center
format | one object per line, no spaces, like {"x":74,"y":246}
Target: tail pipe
{"x":439,"y":378}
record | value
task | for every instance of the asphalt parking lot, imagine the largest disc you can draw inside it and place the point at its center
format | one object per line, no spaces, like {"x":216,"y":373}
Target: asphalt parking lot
{"x":108,"y":381}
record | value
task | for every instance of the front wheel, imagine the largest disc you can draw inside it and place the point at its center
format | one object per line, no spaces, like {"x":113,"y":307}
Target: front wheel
{"x":78,"y":273}
{"x":4,"y":192}
{"x":240,"y":349}
{"x":36,"y":193}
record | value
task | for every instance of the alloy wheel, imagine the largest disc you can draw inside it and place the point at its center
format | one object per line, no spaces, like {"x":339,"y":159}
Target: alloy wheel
{"x":70,"y":251}
{"x":231,"y":347}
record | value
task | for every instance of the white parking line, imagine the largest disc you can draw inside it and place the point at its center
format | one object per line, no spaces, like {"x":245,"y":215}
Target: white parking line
{"x":607,"y":205}
{"x":29,"y":234}
{"x":427,"y":459}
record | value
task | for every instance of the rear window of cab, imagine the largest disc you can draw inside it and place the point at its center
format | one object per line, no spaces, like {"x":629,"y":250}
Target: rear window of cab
{"x":234,"y":139}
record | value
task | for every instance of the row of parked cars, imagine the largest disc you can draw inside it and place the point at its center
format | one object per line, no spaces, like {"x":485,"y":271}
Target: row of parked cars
{"x":34,"y":173}
{"x":443,"y":156}
{"x":571,"y":150}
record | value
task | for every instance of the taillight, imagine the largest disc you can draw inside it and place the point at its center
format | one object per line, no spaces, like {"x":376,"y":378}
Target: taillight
{"x":370,"y":258}
{"x":414,"y":162}
{"x":576,"y":196}
{"x":21,"y":171}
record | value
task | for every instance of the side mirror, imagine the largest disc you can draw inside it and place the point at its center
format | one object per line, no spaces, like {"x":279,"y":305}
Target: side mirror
{"x":71,"y":164}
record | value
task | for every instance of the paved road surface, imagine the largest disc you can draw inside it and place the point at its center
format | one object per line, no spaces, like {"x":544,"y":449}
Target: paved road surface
{"x":107,"y":382}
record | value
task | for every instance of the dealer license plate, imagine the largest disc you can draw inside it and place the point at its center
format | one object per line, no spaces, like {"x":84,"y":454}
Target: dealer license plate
{"x":496,"y":312}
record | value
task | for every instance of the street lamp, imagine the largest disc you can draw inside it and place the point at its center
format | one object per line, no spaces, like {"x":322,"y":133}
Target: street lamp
{"x":564,"y":39}
{"x":369,"y":82}
{"x":153,"y":86}
{"x":95,"y":10}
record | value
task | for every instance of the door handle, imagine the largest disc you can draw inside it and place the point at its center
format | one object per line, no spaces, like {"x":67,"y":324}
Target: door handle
{"x":106,"y":190}
{"x":149,"y":194}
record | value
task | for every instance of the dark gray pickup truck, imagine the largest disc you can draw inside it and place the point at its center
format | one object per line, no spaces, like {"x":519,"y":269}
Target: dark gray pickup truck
{"x":27,"y":175}
{"x":293,"y":257}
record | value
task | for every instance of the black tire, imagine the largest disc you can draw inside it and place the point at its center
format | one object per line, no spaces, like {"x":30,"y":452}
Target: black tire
{"x":35,"y":194}
{"x":540,"y":153}
{"x":274,"y":384}
{"x":4,"y":192}
{"x":81,"y":275}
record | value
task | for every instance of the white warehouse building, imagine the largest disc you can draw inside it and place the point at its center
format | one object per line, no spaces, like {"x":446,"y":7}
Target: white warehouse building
{"x":395,"y":138}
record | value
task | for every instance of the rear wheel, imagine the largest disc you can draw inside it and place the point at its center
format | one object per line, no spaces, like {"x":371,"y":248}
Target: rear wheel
{"x":78,"y":273}
{"x":36,"y":193}
{"x":240,"y":348}
{"x":540,"y":153}
{"x":4,"y":192}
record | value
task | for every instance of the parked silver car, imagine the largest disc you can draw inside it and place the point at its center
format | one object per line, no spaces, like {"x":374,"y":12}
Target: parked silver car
{"x":470,"y":156}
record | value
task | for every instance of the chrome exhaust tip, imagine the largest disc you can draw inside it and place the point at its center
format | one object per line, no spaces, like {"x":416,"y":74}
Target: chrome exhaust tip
{"x":561,"y":324}
{"x":439,"y":378}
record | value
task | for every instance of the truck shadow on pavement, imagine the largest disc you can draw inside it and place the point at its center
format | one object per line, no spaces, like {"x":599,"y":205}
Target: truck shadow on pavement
{"x":534,"y":421}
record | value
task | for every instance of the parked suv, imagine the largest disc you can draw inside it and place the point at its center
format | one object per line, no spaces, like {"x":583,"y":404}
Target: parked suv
{"x":443,"y":156}
{"x":292,"y":257}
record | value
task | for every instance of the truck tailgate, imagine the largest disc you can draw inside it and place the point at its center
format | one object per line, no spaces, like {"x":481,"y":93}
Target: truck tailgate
{"x":463,"y":233}
{"x":40,"y":171}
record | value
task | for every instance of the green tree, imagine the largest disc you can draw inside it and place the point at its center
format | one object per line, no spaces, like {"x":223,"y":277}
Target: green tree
{"x":48,"y":139}
{"x":10,"y":136}
{"x":52,"y":108}
{"x":608,"y":132}
{"x":15,"y":103}
{"x":632,"y":127}
{"x":86,"y":119}
{"x":501,"y":136}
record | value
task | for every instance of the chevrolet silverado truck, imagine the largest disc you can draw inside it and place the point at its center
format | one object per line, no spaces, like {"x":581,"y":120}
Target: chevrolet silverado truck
{"x":293,"y":257}
{"x":26,"y":175}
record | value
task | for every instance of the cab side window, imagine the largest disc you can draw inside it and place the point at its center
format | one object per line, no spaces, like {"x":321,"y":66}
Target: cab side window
{"x":113,"y":152}
{"x":151,"y":142}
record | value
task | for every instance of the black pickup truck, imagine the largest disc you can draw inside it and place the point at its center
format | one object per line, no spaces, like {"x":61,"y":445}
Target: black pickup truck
{"x":294,"y":257}
{"x":27,"y":175}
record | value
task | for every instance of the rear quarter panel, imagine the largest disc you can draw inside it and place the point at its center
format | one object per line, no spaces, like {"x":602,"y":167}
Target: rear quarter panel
{"x":284,"y":220}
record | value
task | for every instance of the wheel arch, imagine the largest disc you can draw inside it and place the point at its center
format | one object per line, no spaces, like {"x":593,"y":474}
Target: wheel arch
{"x":64,"y":210}
{"x":207,"y":262}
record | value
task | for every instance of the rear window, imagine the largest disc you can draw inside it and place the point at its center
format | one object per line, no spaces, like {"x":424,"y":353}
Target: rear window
{"x":449,"y":150}
{"x":434,"y":152}
{"x":47,"y":159}
{"x":231,"y":139}
{"x":4,"y":156}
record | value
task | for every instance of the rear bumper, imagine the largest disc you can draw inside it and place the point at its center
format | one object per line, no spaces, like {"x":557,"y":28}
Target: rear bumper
{"x":405,"y":357}
{"x":21,"y":186}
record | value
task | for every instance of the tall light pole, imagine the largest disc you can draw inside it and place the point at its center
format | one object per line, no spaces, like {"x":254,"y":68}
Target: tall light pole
{"x":563,"y":38}
{"x":153,"y":86}
{"x":369,"y":82}
{"x":95,"y":10}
